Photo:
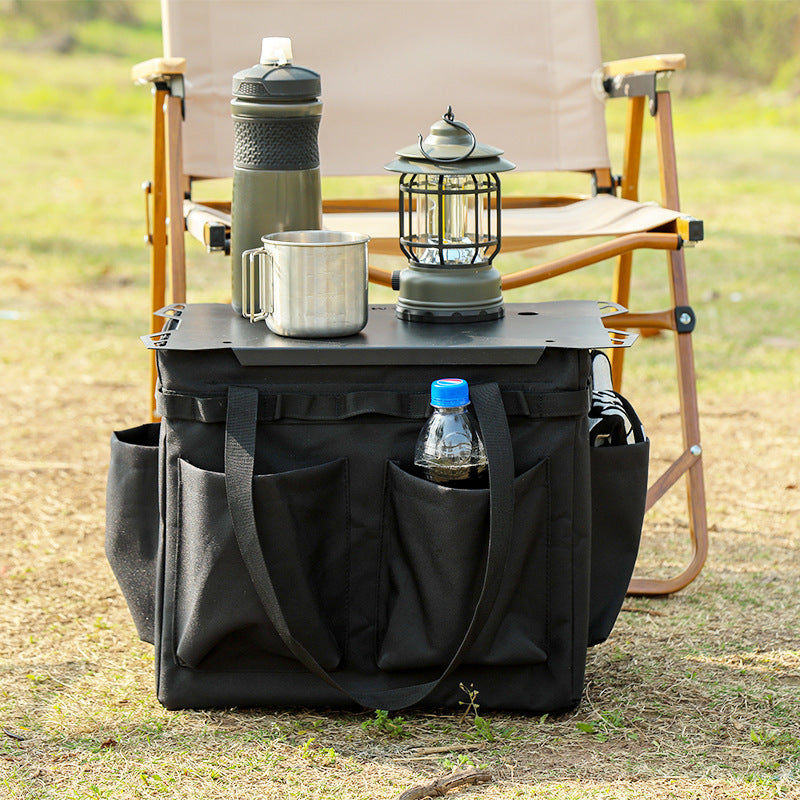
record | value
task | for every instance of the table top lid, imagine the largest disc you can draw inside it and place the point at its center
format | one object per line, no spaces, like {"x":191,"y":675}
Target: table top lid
{"x":521,"y":336}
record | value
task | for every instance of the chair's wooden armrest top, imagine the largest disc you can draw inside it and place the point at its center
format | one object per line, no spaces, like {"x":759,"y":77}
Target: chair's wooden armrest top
{"x":157,"y":68}
{"x":665,"y":62}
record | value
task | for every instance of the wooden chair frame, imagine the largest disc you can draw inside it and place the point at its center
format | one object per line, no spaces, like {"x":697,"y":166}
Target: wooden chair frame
{"x":641,"y":81}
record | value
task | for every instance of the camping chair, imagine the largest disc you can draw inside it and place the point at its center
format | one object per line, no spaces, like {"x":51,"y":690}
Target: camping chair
{"x":526,"y":75}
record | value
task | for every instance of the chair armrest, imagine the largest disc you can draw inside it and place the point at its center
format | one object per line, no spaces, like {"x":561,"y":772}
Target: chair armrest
{"x":157,"y":69}
{"x":208,"y":225}
{"x":640,"y":77}
{"x":667,"y":62}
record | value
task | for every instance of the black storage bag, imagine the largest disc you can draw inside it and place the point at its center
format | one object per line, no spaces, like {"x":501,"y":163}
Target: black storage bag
{"x":414,"y":630}
{"x":381,"y":589}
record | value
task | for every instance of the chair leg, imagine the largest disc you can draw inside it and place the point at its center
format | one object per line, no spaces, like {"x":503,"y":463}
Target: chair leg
{"x":620,"y":293}
{"x":167,"y":221}
{"x":158,"y":235}
{"x":173,"y":113}
{"x":632,"y":156}
{"x":690,"y":463}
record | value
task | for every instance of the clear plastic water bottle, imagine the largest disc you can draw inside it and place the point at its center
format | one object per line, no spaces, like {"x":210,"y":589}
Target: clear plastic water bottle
{"x":449,"y":448}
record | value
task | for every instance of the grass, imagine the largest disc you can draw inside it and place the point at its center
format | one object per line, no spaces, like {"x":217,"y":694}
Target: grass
{"x":693,"y":696}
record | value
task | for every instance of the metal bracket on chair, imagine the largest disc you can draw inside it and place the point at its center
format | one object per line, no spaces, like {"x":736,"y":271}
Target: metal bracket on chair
{"x":147,"y":188}
{"x":616,"y":182}
{"x":685,"y":319}
{"x":174,"y":86}
{"x":639,"y":84}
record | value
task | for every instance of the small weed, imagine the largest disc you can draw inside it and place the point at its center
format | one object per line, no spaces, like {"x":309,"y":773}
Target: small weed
{"x":463,"y":761}
{"x":472,"y":705}
{"x":782,"y":741}
{"x":619,"y":655}
{"x":389,"y":726}
{"x":591,"y":727}
{"x":154,"y":781}
{"x":318,"y":755}
{"x":482,"y":726}
{"x":609,"y":722}
{"x":92,"y":792}
{"x":305,"y":749}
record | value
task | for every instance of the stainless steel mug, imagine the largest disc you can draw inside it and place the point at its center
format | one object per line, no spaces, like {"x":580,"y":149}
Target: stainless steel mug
{"x":307,"y":284}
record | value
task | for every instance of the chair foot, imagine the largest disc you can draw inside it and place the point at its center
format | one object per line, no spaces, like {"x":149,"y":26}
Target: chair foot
{"x":689,"y":463}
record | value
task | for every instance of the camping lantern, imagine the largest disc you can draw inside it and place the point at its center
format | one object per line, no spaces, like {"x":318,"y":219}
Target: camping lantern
{"x":449,"y":207}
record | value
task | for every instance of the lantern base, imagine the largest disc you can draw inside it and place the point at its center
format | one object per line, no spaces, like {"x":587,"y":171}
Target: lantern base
{"x":449,"y":295}
{"x":447,"y":318}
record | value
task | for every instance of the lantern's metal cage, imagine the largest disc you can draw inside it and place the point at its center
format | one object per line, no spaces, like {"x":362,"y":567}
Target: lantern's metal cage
{"x":485,"y":190}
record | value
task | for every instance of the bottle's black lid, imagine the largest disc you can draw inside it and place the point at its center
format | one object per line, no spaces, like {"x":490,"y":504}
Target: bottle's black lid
{"x":286,"y":82}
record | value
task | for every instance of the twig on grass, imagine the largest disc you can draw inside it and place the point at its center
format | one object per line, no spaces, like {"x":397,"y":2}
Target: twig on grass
{"x":650,"y":611}
{"x":441,"y":786}
{"x":452,"y":748}
{"x":432,"y":753}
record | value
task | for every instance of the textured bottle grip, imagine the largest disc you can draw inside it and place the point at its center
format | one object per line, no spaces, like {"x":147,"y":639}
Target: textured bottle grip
{"x":276,"y":144}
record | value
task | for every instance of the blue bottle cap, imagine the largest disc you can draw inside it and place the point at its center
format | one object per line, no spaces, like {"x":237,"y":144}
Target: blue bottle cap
{"x":449,"y":393}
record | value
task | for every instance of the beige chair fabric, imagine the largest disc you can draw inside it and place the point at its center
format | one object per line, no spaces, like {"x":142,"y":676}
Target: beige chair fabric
{"x":603,"y":215}
{"x":519,"y":72}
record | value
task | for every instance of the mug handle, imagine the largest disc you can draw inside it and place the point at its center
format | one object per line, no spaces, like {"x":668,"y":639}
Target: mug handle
{"x":252,"y":310}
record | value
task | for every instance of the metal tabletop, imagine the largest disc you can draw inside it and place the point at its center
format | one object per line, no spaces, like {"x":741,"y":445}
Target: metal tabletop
{"x":520,"y":337}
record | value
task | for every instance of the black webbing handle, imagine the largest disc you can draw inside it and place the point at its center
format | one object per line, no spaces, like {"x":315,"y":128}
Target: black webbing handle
{"x":240,"y":443}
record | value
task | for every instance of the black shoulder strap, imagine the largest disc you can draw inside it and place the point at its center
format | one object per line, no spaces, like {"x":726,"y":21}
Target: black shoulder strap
{"x":240,"y":442}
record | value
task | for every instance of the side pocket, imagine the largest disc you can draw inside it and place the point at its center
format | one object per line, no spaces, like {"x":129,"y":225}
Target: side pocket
{"x":619,"y":492}
{"x":220,"y":623}
{"x":132,"y":520}
{"x":435,"y":542}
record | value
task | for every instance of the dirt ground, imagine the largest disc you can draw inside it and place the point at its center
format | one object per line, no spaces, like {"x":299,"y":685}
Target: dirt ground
{"x":695,"y":695}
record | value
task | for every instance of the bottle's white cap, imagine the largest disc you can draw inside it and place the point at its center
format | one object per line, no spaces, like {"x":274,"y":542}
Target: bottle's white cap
{"x":276,"y":51}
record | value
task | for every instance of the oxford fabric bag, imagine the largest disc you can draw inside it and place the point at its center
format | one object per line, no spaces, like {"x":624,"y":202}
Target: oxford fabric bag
{"x":356,"y":582}
{"x":411,"y":635}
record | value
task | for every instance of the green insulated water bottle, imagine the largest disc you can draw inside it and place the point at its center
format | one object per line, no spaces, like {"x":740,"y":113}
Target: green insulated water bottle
{"x":276,"y":179}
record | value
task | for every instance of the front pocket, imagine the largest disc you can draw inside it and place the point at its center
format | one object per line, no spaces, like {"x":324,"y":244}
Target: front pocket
{"x":435,"y":543}
{"x":303,"y":529}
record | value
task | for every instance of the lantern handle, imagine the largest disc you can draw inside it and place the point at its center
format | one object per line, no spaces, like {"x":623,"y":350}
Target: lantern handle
{"x":449,"y":118}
